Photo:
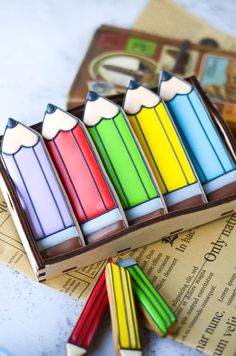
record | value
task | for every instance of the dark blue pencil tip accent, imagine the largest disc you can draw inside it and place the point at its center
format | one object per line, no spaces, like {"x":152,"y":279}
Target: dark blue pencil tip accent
{"x":11,"y":123}
{"x":51,"y":108}
{"x":92,"y":96}
{"x":133,"y":84}
{"x":165,"y":75}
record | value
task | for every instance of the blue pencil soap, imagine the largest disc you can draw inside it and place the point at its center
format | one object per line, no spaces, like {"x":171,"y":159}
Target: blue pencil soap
{"x":212,"y":161}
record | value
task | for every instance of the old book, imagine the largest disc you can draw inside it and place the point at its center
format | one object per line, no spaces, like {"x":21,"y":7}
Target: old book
{"x":116,"y":56}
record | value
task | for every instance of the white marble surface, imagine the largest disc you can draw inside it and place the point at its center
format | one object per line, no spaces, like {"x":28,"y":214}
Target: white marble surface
{"x":42,"y":44}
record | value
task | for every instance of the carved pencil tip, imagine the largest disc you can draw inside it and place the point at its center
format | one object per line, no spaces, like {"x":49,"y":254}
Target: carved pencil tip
{"x":12,"y":123}
{"x":51,"y":108}
{"x":92,"y":96}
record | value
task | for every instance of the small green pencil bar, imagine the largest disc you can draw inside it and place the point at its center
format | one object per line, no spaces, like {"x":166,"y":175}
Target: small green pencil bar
{"x":156,"y":311}
{"x":123,"y":159}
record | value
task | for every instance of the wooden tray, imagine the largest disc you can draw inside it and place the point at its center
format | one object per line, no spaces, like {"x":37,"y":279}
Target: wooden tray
{"x":135,"y":236}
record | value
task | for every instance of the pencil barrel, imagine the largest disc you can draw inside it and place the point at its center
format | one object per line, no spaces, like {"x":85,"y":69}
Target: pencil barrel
{"x":91,"y":315}
{"x":122,"y":307}
{"x":210,"y":156}
{"x":36,"y":184}
{"x":82,"y":176}
{"x":155,"y":309}
{"x":123,"y":158}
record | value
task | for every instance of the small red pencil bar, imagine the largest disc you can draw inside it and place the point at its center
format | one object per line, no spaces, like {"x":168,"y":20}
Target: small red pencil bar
{"x":90,"y":318}
{"x":95,"y":197}
{"x":73,"y":148}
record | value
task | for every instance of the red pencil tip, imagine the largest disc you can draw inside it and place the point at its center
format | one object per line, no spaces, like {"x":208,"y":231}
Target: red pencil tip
{"x":51,"y":108}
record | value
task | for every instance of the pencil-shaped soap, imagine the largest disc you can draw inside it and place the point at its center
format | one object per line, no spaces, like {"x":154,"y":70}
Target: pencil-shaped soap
{"x":209,"y":155}
{"x":123,"y":158}
{"x":89,"y":320}
{"x":156,"y":311}
{"x":40,"y":193}
{"x":94,"y":204}
{"x":123,"y":313}
{"x":163,"y":148}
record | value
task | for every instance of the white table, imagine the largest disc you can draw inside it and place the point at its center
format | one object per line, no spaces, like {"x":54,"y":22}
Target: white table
{"x":42,"y":45}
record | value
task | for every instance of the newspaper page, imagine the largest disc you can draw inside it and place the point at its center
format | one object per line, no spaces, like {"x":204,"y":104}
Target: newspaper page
{"x":195,"y":271}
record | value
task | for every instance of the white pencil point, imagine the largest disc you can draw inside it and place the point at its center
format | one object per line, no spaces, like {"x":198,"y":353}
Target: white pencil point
{"x":73,"y":350}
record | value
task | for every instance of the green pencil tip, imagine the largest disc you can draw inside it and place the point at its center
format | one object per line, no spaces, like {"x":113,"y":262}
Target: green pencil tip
{"x":92,"y":96}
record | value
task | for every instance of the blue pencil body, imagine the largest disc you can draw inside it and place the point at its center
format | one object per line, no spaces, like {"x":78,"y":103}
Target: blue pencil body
{"x":203,"y":143}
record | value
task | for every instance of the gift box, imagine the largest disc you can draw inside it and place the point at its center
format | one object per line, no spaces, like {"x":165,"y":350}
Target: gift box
{"x":137,"y":235}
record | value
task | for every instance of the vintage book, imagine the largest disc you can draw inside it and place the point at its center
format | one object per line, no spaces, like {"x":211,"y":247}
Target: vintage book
{"x":116,"y":56}
{"x":170,"y":19}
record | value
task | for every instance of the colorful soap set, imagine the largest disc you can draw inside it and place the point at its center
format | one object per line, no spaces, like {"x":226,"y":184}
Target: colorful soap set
{"x":114,"y":175}
{"x":123,"y":286}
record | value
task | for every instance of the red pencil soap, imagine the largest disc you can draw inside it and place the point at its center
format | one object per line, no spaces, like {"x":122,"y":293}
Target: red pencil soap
{"x":89,"y":320}
{"x":93,"y":200}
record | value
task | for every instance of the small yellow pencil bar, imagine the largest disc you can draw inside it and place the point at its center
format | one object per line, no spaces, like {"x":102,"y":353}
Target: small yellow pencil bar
{"x":163,"y":148}
{"x":123,"y":313}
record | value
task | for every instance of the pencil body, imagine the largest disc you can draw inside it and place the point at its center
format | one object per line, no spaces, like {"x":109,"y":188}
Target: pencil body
{"x":208,"y":153}
{"x":163,"y":148}
{"x":37,"y":187}
{"x":90,"y":319}
{"x":155,"y":310}
{"x":123,"y":313}
{"x":91,"y":198}
{"x":122,"y":158}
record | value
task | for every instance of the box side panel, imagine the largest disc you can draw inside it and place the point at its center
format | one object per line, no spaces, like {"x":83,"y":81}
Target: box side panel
{"x":141,"y":237}
{"x":18,"y":224}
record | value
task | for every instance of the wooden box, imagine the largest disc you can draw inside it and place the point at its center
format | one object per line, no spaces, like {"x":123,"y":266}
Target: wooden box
{"x":135,"y":236}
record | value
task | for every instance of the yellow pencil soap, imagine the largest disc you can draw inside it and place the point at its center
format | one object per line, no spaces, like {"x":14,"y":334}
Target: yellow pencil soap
{"x":156,"y":132}
{"x":123,"y":313}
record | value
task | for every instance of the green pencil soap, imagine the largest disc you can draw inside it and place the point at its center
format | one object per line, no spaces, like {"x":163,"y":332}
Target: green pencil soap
{"x":123,"y":159}
{"x":156,"y":311}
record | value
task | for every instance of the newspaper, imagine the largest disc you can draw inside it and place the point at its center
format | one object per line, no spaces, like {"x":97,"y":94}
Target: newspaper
{"x":195,"y":271}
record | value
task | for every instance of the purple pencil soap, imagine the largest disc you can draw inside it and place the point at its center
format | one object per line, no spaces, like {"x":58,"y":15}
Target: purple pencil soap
{"x":39,"y":191}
